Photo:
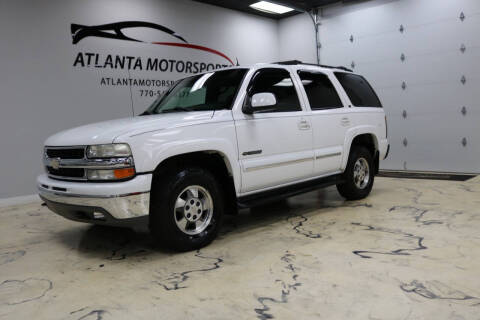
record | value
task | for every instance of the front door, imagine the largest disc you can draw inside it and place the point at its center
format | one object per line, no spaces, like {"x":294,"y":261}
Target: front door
{"x":275,"y":145}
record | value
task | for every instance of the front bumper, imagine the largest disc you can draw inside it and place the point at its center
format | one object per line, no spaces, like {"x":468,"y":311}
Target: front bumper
{"x":94,"y":214}
{"x":116,"y":203}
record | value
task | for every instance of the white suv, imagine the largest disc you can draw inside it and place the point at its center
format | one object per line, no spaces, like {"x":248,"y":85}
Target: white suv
{"x":216,"y":142}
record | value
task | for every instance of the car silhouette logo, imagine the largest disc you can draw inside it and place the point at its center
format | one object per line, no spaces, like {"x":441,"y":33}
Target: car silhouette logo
{"x":114,"y":31}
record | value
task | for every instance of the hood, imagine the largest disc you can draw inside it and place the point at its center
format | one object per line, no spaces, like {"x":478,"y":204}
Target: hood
{"x":107,"y":131}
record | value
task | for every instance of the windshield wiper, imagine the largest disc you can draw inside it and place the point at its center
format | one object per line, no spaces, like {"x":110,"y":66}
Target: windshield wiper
{"x":177,"y":109}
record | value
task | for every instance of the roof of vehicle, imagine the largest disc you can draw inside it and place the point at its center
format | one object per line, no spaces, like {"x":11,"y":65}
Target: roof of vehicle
{"x":294,"y":63}
{"x":283,"y":64}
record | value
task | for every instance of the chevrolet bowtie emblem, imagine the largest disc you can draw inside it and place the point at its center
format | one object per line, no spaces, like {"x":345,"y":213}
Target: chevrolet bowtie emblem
{"x":55,"y":163}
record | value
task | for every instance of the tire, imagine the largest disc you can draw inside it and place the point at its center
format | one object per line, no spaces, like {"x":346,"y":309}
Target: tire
{"x":353,"y":186}
{"x":193,"y":223}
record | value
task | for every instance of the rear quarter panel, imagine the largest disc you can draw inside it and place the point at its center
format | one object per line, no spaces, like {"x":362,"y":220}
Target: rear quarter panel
{"x":366,"y":121}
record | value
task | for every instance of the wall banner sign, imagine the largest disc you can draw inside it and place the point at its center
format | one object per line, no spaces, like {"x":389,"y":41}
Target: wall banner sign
{"x":151,"y":86}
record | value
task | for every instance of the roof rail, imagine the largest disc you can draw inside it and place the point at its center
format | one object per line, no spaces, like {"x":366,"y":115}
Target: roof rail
{"x":289,"y":62}
{"x":297,"y":62}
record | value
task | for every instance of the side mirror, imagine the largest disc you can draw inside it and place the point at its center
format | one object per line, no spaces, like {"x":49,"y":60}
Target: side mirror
{"x":263,"y":99}
{"x":259,"y":101}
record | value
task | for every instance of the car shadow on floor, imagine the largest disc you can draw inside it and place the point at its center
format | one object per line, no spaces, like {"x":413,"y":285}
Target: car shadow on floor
{"x":112,"y":243}
{"x":264,"y":215}
{"x":115,"y":243}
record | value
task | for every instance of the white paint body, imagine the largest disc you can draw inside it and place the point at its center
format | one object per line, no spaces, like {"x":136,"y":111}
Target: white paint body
{"x":296,"y":146}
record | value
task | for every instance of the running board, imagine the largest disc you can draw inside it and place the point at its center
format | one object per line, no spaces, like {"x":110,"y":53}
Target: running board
{"x":287,"y":191}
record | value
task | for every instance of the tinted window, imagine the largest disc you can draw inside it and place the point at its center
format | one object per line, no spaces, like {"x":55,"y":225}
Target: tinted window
{"x":278,"y":82}
{"x":320,"y":91}
{"x":358,"y":90}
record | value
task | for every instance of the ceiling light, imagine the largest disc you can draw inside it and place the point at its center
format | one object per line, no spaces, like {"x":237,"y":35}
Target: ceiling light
{"x":270,"y":7}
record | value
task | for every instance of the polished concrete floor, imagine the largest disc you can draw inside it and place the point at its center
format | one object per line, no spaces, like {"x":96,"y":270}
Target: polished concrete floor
{"x":409,"y":251}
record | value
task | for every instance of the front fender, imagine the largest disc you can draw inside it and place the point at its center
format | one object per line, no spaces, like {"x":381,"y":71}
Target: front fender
{"x":152,"y":148}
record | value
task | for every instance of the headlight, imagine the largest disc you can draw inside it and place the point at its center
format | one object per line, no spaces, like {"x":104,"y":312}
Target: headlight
{"x":117,"y":156}
{"x":114,"y":150}
{"x":110,"y":174}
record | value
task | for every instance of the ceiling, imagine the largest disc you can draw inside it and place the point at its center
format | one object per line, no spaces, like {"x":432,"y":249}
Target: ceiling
{"x":244,"y":5}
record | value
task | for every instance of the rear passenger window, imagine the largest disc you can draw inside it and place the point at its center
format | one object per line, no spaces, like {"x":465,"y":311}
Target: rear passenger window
{"x":278,"y":82}
{"x":320,"y":91}
{"x":358,"y":90}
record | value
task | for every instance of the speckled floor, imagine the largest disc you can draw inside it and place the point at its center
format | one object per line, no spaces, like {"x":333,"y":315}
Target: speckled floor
{"x":409,"y":251}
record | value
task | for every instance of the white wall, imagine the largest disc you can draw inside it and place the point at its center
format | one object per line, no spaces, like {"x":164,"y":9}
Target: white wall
{"x":434,"y":96}
{"x":42,"y":92}
{"x":297,"y":39}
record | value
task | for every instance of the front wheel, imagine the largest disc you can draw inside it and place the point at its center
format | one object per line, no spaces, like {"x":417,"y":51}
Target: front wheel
{"x":358,"y":176}
{"x":187,"y":209}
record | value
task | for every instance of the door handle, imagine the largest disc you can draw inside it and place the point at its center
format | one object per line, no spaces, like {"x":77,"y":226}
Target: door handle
{"x":345,"y":121}
{"x":303,"y":125}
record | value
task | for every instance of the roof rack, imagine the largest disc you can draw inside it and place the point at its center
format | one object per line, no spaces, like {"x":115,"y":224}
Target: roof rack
{"x":297,"y":62}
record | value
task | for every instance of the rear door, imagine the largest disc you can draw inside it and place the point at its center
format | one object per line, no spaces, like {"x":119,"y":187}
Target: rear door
{"x":330,"y":120}
{"x":275,"y":145}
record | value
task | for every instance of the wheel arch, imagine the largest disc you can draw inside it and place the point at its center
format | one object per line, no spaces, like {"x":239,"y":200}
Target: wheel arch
{"x":366,"y":138}
{"x":214,"y":161}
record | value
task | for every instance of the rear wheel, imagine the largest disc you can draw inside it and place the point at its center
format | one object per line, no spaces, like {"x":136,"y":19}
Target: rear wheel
{"x":187,"y":209}
{"x":358,"y":176}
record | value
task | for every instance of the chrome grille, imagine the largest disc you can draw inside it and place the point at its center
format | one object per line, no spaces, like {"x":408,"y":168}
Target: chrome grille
{"x":65,"y":153}
{"x":67,"y":172}
{"x":54,"y":156}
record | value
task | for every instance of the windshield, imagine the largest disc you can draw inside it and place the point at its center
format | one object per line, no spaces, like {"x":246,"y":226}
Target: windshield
{"x":208,"y":91}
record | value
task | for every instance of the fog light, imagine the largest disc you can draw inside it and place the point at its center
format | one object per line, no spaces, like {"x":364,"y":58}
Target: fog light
{"x":98,"y":215}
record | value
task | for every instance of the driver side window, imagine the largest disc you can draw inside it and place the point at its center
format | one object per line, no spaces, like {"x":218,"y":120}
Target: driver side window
{"x":279,"y":83}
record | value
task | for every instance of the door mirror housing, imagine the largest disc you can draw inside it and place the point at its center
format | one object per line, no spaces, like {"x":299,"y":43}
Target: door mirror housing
{"x":263,"y":99}
{"x":259,"y":101}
